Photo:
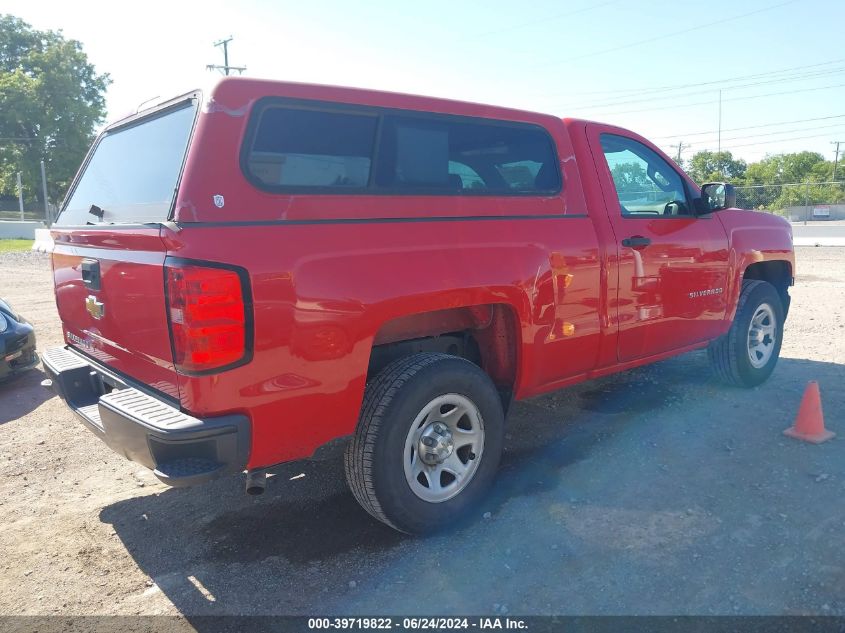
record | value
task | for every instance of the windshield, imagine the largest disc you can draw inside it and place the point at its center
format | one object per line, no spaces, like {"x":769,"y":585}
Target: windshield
{"x":132,"y":176}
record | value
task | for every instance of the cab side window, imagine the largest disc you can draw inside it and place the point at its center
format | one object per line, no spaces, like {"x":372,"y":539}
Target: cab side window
{"x":350,"y":149}
{"x":646,"y":184}
{"x":420,"y":153}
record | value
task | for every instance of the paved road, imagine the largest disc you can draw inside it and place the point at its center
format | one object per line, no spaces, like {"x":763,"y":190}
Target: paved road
{"x":818,"y":234}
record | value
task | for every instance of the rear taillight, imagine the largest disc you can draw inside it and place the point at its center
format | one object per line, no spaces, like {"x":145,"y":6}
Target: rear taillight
{"x":208,"y":315}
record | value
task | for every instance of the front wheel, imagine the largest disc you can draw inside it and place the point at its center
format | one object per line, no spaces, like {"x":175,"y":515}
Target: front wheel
{"x":428,"y":442}
{"x":748,"y":353}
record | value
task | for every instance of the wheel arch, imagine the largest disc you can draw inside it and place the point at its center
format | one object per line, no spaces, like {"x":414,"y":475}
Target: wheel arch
{"x":776,"y":272}
{"x":486,"y":334}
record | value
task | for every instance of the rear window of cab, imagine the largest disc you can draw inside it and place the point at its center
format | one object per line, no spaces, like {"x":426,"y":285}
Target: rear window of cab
{"x":333,"y":148}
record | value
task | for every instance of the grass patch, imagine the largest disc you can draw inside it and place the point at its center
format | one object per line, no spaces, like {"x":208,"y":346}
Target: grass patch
{"x":13,"y":246}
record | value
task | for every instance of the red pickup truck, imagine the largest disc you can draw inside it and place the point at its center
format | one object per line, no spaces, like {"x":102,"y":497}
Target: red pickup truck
{"x":278,"y":271}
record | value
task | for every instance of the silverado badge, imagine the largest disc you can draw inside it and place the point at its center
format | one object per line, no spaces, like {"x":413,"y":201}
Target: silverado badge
{"x":95,"y":308}
{"x":705,"y":293}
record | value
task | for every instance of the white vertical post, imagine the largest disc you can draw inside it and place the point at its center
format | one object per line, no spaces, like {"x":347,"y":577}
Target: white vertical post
{"x":47,"y":217}
{"x":20,"y":194}
{"x":807,"y":203}
{"x":719,"y":142}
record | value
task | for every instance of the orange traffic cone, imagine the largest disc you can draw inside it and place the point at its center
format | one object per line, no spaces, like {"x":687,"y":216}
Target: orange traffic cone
{"x":809,"y":424}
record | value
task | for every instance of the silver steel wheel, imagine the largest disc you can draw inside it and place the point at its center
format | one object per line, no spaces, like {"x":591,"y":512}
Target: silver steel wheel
{"x":443,"y":448}
{"x":762,"y":333}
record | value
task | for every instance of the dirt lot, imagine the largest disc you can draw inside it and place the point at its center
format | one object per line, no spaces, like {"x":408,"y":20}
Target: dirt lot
{"x":657,"y":491}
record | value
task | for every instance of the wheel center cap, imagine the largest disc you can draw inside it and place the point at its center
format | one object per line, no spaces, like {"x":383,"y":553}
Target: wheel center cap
{"x":436,"y":444}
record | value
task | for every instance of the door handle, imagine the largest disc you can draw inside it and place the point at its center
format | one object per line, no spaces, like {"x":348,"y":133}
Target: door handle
{"x":91,"y":273}
{"x":637,"y":241}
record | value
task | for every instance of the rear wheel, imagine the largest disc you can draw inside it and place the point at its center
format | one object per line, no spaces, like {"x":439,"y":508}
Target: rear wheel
{"x":748,"y":353}
{"x":428,"y":442}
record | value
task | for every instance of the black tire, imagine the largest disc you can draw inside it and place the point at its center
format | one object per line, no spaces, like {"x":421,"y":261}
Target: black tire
{"x":729,"y":356}
{"x":374,"y":458}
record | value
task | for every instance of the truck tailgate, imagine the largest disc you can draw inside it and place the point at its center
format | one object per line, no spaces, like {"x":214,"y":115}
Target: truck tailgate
{"x":111,"y":300}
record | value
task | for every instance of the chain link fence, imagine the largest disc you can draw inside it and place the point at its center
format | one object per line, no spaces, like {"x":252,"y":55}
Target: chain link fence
{"x":32,"y":210}
{"x":798,"y":201}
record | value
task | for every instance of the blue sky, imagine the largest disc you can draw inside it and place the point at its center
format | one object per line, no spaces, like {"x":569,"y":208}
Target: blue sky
{"x":654,"y":66}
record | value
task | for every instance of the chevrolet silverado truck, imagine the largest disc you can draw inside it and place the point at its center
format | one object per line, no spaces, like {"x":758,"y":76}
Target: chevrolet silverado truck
{"x":277,"y":271}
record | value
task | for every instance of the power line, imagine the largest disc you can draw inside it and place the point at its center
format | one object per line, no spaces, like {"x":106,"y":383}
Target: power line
{"x":693,"y":85}
{"x":787,"y":79}
{"x":752,"y":127}
{"x":781,"y":140}
{"x":792,"y":131}
{"x":740,"y":138}
{"x":667,"y":35}
{"x":697,"y":103}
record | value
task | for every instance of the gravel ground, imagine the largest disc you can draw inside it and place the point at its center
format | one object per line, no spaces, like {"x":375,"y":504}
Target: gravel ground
{"x":655,"y":491}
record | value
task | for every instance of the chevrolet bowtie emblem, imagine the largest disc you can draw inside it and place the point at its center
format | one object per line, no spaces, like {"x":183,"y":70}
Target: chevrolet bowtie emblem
{"x":95,"y":308}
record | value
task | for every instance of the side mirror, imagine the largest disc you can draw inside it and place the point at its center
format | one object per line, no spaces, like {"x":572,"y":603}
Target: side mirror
{"x":718,"y":195}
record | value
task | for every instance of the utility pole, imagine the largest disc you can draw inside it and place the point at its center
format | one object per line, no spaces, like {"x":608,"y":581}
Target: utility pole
{"x":225,"y":68}
{"x":20,"y":194}
{"x":836,"y":160}
{"x":807,"y":202}
{"x":719,"y":144}
{"x":47,"y":217}
{"x":681,"y":147}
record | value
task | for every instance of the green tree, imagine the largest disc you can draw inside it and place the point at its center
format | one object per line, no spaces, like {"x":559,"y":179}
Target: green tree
{"x":51,"y":102}
{"x":799,"y":196}
{"x":789,"y":168}
{"x":707,"y":166}
{"x":823,"y":172}
{"x":791,"y":180}
{"x":631,"y":178}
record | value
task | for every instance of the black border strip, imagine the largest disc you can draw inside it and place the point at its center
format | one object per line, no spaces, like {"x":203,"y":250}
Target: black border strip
{"x":326,"y":621}
{"x":249,"y":321}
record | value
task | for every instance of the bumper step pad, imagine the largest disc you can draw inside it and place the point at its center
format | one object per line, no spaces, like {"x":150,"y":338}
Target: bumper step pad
{"x":179,"y":448}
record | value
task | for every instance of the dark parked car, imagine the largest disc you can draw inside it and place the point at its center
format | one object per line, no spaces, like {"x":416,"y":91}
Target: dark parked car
{"x":17,"y":343}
